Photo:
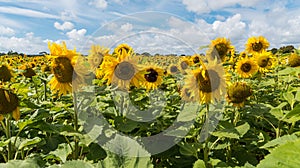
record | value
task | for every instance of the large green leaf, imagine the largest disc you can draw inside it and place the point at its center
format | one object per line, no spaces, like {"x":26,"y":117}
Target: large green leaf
{"x":74,"y":164}
{"x":28,"y":142}
{"x":286,"y":155}
{"x":280,"y":141}
{"x":289,"y":97}
{"x":62,"y":151}
{"x":28,"y":163}
{"x":232,"y":132}
{"x":199,"y":164}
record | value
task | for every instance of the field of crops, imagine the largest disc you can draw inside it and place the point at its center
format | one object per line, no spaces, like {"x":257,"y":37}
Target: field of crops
{"x":116,"y":108}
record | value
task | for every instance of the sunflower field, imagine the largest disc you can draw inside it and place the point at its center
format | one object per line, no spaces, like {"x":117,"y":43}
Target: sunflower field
{"x":116,"y":108}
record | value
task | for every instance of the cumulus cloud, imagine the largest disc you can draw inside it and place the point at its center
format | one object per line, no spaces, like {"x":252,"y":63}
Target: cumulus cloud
{"x":64,"y":26}
{"x":101,"y":4}
{"x":6,"y":31}
{"x":76,"y":34}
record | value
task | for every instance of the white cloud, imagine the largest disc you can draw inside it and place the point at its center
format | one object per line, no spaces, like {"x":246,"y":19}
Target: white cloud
{"x":26,"y":12}
{"x":64,"y":26}
{"x":101,"y":4}
{"x":205,"y":6}
{"x":126,"y":27}
{"x":76,"y":34}
{"x":6,"y":31}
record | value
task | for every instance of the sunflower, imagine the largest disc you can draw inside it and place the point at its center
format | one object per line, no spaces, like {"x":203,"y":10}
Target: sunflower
{"x":152,"y":76}
{"x":246,"y":67}
{"x":219,"y":48}
{"x":121,"y":49}
{"x":63,"y":62}
{"x":95,"y":57}
{"x":257,"y":45}
{"x":184,"y":63}
{"x":173,"y":69}
{"x":237,"y":93}
{"x":196,"y":59}
{"x":121,"y":71}
{"x":9,"y":104}
{"x":28,"y":71}
{"x":265,"y":61}
{"x":207,"y":81}
{"x":5,"y":72}
{"x":188,"y":95}
{"x":294,"y":60}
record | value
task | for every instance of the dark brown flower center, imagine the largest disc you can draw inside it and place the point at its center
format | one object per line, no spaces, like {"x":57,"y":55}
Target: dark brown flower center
{"x":174,"y":69}
{"x":63,"y":70}
{"x":183,"y":65}
{"x":246,"y":67}
{"x":222,"y":49}
{"x":263,"y":61}
{"x":151,"y":76}
{"x":5,"y":74}
{"x":257,"y":46}
{"x":8,"y":101}
{"x":124,"y":71}
{"x":29,"y":72}
{"x":196,"y":60}
{"x":210,"y":82}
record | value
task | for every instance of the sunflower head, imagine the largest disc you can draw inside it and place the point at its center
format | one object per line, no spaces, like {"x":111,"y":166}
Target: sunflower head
{"x":238,"y":92}
{"x":121,"y":49}
{"x":9,"y":104}
{"x":62,"y":69}
{"x":265,"y":61}
{"x":28,"y":71}
{"x":173,"y":69}
{"x":152,"y":76}
{"x":5,"y":73}
{"x":246,"y":67}
{"x":257,"y":44}
{"x":294,"y":60}
{"x":96,"y":54}
{"x":219,"y":47}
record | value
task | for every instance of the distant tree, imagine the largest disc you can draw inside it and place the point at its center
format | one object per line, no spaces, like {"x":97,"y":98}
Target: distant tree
{"x":146,"y":54}
{"x":43,"y":53}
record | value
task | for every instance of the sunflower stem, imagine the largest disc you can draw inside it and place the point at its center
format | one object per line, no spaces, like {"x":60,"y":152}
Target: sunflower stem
{"x":45,"y":90}
{"x":76,"y":140}
{"x":206,"y":148}
{"x":8,"y":135}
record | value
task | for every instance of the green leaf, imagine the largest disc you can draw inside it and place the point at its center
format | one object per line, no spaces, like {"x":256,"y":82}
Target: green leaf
{"x":289,"y":97}
{"x":243,"y":129}
{"x":279,"y":141}
{"x":188,"y":149}
{"x":232,"y":132}
{"x":74,"y":164}
{"x":95,"y":152}
{"x":295,"y":113}
{"x":62,"y":151}
{"x":286,"y":155}
{"x":297,"y":96}
{"x":199,"y":164}
{"x":29,"y":142}
{"x":23,"y":124}
{"x":28,"y":163}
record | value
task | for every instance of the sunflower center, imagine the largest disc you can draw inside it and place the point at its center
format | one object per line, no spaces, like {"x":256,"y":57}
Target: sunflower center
{"x":239,"y":92}
{"x":263,"y":61}
{"x":246,"y":67}
{"x":5,"y":74}
{"x":151,"y":76}
{"x":187,"y":92}
{"x":210,"y":82}
{"x":63,"y":70}
{"x":124,"y":71}
{"x":8,"y":102}
{"x":257,"y":46}
{"x":222,"y":49}
{"x":196,"y":60}
{"x":183,"y":65}
{"x":174,"y":69}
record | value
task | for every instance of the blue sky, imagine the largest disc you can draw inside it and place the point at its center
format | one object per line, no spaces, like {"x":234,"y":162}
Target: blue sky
{"x":155,"y":26}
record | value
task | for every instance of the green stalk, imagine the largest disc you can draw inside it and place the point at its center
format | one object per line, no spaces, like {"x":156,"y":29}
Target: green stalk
{"x":76,"y":140}
{"x":8,"y":135}
{"x":206,"y":148}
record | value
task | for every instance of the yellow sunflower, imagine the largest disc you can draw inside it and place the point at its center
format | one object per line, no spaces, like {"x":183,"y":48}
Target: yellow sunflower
{"x":265,"y":60}
{"x":121,"y":71}
{"x":237,"y":93}
{"x":28,"y":71}
{"x":173,"y":69}
{"x":152,"y":76}
{"x":246,"y":67}
{"x":257,"y":44}
{"x":184,"y":63}
{"x":294,"y":60}
{"x":5,"y":72}
{"x":219,"y":48}
{"x":188,"y":95}
{"x":9,"y":104}
{"x":95,"y":57}
{"x":63,"y":62}
{"x":121,"y":49}
{"x":207,"y":81}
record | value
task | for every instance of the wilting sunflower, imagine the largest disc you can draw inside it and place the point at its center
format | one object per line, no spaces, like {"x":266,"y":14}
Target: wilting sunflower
{"x":246,"y":67}
{"x":265,"y":61}
{"x":5,"y":72}
{"x":294,"y":60}
{"x":237,"y":93}
{"x":63,"y":62}
{"x":9,"y":104}
{"x":152,"y":76}
{"x":121,"y":71}
{"x":257,"y":45}
{"x":121,"y":49}
{"x":95,"y":57}
{"x":219,"y":48}
{"x":207,"y":81}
